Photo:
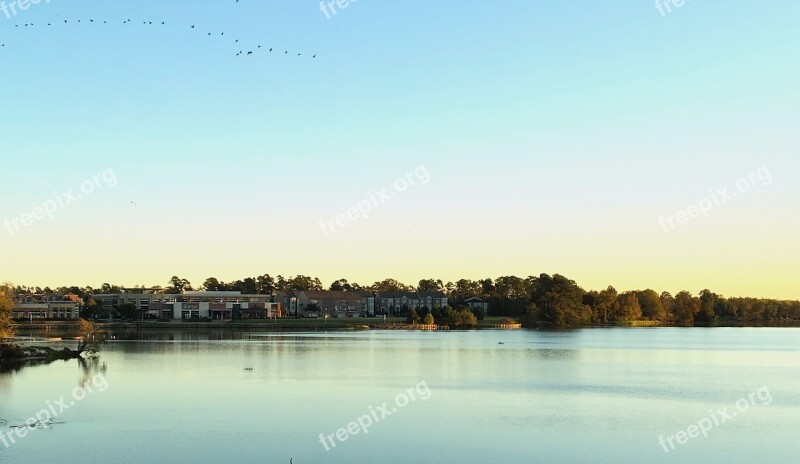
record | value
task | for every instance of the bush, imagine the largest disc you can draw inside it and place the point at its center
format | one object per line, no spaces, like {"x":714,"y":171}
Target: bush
{"x":8,"y":351}
{"x":465,"y":318}
{"x":479,"y":313}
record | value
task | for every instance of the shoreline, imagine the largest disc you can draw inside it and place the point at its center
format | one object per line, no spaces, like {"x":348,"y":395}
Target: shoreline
{"x":357,"y":324}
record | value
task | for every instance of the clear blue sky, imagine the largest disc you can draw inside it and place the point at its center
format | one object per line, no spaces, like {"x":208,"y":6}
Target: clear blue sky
{"x":555,"y":135}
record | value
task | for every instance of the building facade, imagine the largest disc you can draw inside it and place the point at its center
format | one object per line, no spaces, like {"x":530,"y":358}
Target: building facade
{"x":194,"y":305}
{"x":288,"y":301}
{"x":397,"y":303}
{"x":335,"y":304}
{"x":46,"y":310}
{"x":477,"y":304}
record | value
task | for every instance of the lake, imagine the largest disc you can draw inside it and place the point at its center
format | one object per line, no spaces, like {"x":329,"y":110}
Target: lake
{"x":666,"y":395}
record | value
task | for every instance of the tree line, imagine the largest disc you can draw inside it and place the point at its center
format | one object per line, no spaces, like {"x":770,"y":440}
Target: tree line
{"x":541,"y":301}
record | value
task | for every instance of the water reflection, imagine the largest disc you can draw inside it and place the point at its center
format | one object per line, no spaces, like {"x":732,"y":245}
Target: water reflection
{"x":507,"y":396}
{"x":90,"y":367}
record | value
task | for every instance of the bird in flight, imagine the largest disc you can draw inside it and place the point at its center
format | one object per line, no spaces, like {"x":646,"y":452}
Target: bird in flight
{"x":130,"y":21}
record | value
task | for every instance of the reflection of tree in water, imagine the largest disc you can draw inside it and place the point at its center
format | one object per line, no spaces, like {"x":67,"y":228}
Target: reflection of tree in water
{"x":91,"y":366}
{"x":9,"y":367}
{"x":5,"y":383}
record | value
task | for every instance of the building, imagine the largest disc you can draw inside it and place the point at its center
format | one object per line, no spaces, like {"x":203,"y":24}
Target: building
{"x":432,"y":300}
{"x":288,"y":301}
{"x":47,"y":310}
{"x":334,"y":304}
{"x":194,"y":305}
{"x":476,"y":303}
{"x":397,"y":303}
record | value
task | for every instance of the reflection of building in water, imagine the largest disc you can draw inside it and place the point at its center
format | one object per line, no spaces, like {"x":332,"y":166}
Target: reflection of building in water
{"x":194,"y":305}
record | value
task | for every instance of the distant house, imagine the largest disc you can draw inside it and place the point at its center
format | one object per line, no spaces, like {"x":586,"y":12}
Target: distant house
{"x":395,"y":303}
{"x":477,"y":303}
{"x":335,"y":304}
{"x":432,"y":300}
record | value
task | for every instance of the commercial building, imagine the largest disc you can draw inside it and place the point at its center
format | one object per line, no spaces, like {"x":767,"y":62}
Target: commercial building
{"x":46,"y":310}
{"x":194,"y":305}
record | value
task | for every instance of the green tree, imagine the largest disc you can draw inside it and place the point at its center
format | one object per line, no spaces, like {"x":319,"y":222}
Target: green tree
{"x":6,"y":308}
{"x":312,"y":308}
{"x":531,"y":318}
{"x":342,"y":285}
{"x":465,"y":318}
{"x":668,"y":303}
{"x":301,"y":282}
{"x":430,"y":285}
{"x":466,"y":288}
{"x":444,"y":316}
{"x":91,"y":337}
{"x":265,"y":285}
{"x":178,"y":285}
{"x":652,"y":307}
{"x":128,"y":311}
{"x":706,"y":314}
{"x":108,"y":288}
{"x":413,"y":317}
{"x":487,"y":286}
{"x":686,"y":308}
{"x":560,"y":302}
{"x":390,"y":285}
{"x":212,"y":284}
{"x":606,"y":304}
{"x":511,"y":287}
{"x":93,"y":309}
{"x":628,"y":309}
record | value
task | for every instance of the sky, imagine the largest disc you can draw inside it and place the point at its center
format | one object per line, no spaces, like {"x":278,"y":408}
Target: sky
{"x":601,"y":140}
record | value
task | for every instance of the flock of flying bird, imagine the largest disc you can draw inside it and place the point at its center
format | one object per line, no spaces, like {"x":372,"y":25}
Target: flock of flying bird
{"x":241,"y":52}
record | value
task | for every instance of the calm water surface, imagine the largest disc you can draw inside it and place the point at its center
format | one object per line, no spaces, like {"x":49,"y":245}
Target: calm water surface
{"x":589,"y":396}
